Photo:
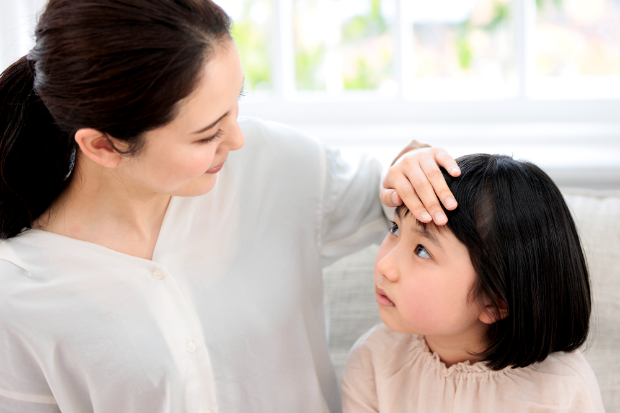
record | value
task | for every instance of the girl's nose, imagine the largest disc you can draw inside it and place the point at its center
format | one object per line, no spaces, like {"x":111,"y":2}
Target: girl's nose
{"x":388,"y":265}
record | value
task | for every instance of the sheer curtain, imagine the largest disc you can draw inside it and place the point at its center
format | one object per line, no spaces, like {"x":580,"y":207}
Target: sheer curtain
{"x":17,"y":21}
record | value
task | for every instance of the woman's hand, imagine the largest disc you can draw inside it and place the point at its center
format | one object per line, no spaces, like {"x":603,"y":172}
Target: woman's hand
{"x":416,"y":180}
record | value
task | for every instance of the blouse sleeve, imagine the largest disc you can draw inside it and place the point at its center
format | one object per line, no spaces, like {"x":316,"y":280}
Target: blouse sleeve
{"x":23,"y":387}
{"x":351,"y":212}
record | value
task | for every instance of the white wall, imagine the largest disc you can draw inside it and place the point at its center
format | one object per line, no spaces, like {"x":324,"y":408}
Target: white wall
{"x":17,"y":21}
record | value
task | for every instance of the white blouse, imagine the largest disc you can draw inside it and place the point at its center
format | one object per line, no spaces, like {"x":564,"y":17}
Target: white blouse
{"x":390,"y":372}
{"x":227,"y":317}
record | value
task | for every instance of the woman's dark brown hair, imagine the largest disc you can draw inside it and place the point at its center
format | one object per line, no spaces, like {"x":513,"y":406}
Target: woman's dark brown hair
{"x":117,"y":66}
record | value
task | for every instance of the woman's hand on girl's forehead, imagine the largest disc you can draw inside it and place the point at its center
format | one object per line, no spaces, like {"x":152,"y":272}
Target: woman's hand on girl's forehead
{"x":416,"y":180}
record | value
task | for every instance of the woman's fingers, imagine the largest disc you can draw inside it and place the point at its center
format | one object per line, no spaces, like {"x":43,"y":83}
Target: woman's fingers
{"x":389,"y":197}
{"x":417,"y":179}
{"x":448,"y":163}
{"x":410,"y":198}
{"x":423,"y":188}
{"x":440,"y":187}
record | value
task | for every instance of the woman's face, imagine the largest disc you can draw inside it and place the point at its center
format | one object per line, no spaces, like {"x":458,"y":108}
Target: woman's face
{"x":422,"y":281}
{"x":183,"y":157}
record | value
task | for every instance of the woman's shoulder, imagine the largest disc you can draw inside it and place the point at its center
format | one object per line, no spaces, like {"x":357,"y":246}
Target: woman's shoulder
{"x":11,"y":262}
{"x":13,"y":276}
{"x":274,"y":136}
{"x":272,"y":148}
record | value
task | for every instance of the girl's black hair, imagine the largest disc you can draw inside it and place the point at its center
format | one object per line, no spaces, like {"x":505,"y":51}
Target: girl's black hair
{"x":117,"y":66}
{"x":526,"y":252}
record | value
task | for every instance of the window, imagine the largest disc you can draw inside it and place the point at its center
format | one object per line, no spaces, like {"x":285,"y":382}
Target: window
{"x":374,"y":61}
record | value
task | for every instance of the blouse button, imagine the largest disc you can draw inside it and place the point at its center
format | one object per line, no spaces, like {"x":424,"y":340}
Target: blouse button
{"x":190,"y":347}
{"x":158,"y":274}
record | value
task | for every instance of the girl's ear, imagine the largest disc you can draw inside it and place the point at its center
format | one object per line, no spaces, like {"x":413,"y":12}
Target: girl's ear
{"x":490,"y":314}
{"x":97,"y":147}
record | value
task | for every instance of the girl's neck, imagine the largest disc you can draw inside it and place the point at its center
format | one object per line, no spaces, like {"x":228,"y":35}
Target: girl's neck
{"x":101,"y":207}
{"x":459,"y":348}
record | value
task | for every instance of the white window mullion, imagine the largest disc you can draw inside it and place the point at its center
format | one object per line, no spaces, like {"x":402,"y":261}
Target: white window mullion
{"x":283,"y":50}
{"x":525,"y":12}
{"x":403,"y":58}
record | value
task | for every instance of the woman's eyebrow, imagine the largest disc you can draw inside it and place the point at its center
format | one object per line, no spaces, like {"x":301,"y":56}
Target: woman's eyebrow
{"x":211,"y":125}
{"x":421,"y":229}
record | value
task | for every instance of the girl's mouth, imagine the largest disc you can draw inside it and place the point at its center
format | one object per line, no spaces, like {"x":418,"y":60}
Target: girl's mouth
{"x":382,"y":298}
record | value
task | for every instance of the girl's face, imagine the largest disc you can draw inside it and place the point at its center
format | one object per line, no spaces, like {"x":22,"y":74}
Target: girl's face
{"x":183,"y":157}
{"x":422,"y":281}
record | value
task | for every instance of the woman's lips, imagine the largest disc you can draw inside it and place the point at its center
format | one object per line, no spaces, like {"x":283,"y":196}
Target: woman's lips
{"x":216,"y":169}
{"x":382,"y":298}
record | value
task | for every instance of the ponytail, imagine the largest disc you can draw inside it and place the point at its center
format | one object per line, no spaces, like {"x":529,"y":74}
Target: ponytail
{"x":35,"y":154}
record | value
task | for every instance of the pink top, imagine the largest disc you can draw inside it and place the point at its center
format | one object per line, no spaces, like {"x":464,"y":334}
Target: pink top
{"x":390,"y":372}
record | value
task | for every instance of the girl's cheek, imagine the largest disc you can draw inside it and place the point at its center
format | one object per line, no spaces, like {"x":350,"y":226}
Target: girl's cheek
{"x":421,"y":307}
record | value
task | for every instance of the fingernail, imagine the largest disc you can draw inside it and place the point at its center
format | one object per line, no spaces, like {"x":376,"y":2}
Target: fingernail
{"x":440,"y":218}
{"x":450,"y":202}
{"x":454,"y":169}
{"x":426,"y":216}
{"x":394,"y":198}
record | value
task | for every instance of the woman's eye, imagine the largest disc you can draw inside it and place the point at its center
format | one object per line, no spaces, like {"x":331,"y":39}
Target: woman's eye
{"x":394,"y":228}
{"x":421,"y":252}
{"x":212,"y":138}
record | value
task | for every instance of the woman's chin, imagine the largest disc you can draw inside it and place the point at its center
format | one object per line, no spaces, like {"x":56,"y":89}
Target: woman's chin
{"x":198,"y":186}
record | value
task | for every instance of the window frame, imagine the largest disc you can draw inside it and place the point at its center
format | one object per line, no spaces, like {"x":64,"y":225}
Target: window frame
{"x":528,"y":102}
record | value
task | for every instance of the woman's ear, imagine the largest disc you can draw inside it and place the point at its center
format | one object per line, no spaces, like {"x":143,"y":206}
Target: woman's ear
{"x":97,"y":147}
{"x":490,"y":314}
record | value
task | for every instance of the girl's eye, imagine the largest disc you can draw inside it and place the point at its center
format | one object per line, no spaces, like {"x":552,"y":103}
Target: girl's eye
{"x":212,"y":138}
{"x":394,"y":228}
{"x":421,"y":252}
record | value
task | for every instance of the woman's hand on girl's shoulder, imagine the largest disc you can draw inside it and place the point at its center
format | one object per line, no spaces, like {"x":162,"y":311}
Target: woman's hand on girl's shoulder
{"x":416,"y":180}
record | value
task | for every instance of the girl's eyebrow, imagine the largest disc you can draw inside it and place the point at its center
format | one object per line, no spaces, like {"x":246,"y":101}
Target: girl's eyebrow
{"x":419,"y":227}
{"x":422,"y":230}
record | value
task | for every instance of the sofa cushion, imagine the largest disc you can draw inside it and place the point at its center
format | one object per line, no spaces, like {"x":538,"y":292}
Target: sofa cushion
{"x":597,"y":214}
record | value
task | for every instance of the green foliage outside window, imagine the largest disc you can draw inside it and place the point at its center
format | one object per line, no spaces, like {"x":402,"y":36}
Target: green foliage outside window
{"x":501,"y":15}
{"x":307,"y":65}
{"x":252,"y":41}
{"x":368,"y":69}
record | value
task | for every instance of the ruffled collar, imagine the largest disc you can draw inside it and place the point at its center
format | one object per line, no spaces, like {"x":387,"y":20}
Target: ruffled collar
{"x":460,"y":370}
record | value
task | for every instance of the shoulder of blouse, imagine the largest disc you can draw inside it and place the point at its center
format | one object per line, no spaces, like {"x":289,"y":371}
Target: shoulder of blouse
{"x":12,"y":279}
{"x":263,"y":132}
{"x":10,"y":262}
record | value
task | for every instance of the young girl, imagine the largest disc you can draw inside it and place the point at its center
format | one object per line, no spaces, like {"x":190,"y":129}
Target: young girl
{"x":484,"y":314}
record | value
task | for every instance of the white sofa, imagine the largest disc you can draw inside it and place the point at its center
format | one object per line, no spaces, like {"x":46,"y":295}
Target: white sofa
{"x":352,"y":309}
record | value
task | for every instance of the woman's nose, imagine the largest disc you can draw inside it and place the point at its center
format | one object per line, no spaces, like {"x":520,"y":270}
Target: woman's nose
{"x":235,"y":137}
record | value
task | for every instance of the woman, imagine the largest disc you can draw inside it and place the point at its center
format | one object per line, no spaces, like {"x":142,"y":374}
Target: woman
{"x":134,"y":278}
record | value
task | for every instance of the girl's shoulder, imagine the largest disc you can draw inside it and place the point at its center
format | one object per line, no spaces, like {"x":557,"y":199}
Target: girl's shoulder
{"x":567,"y":374}
{"x":406,"y":355}
{"x":383,"y":348}
{"x":391,"y":365}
